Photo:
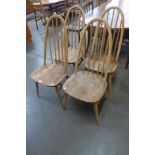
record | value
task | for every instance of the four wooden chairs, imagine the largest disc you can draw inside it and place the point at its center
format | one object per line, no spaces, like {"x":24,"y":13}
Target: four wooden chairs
{"x":65,"y":40}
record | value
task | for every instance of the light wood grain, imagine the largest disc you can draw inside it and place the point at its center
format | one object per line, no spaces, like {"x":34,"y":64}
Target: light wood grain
{"x":53,"y":74}
{"x":88,"y":87}
{"x":49,"y":75}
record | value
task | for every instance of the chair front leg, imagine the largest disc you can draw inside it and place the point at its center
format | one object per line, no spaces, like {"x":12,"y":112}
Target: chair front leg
{"x":95,"y":106}
{"x":57,"y":90}
{"x":65,"y":101}
{"x":36,"y":23}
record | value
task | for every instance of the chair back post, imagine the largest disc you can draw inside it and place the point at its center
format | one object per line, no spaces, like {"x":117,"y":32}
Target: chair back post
{"x":116,"y":16}
{"x":105,"y":34}
{"x":59,"y":53}
{"x":75,"y":23}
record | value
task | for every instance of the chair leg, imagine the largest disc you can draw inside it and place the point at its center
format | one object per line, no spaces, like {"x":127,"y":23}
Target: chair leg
{"x":37,"y":88}
{"x":65,"y":101}
{"x":36,"y":24}
{"x":73,"y":66}
{"x":127,"y":62}
{"x":110,"y":83}
{"x":79,"y":35}
{"x":95,"y":106}
{"x":58,"y":95}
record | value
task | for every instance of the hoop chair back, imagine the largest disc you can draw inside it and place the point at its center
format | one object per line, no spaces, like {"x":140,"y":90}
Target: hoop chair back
{"x":100,"y":45}
{"x":115,"y":18}
{"x":75,"y":22}
{"x":55,"y":42}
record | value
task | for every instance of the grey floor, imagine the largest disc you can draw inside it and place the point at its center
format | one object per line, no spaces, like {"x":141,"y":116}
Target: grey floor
{"x":52,"y":131}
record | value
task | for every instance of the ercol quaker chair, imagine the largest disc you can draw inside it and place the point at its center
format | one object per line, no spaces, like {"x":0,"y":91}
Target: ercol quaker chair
{"x":75,"y":22}
{"x":88,"y":7}
{"x":53,"y":74}
{"x":115,"y":18}
{"x":87,"y":85}
{"x":40,"y":13}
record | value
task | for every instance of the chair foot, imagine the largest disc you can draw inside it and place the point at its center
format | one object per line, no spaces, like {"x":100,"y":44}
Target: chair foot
{"x":95,"y":106}
{"x":37,"y":88}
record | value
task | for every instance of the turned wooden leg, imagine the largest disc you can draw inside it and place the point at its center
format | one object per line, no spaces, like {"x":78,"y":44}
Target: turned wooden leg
{"x":95,"y":105}
{"x":65,"y":101}
{"x":73,"y":66}
{"x":106,"y":94}
{"x":37,"y":88}
{"x":79,"y":35}
{"x":57,"y":90}
{"x":36,"y":23}
{"x":110,"y":84}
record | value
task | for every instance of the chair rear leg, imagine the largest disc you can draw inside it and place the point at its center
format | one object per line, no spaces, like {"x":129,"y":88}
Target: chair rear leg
{"x":95,"y":106}
{"x":37,"y":88}
{"x":65,"y":101}
{"x":36,"y":23}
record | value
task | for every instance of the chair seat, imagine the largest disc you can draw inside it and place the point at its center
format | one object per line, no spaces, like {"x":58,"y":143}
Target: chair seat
{"x":49,"y":75}
{"x":88,"y":87}
{"x":112,"y":67}
{"x":72,"y":56}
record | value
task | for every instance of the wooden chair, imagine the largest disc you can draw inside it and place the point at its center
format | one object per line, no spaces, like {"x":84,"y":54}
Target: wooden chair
{"x":115,"y":18}
{"x":53,"y":73}
{"x":75,"y":22}
{"x":89,"y":86}
{"x":40,"y":13}
{"x":88,"y":7}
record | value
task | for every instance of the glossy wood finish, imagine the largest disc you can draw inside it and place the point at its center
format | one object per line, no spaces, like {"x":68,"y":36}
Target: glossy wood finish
{"x":53,"y":74}
{"x":88,"y":85}
{"x":99,"y":11}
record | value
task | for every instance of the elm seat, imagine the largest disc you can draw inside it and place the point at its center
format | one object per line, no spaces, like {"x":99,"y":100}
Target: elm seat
{"x":49,"y":75}
{"x":86,"y":86}
{"x":112,"y":66}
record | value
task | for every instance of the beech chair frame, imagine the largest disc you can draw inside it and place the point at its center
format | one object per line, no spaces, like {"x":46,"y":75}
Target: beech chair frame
{"x":81,"y":83}
{"x":53,"y":74}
